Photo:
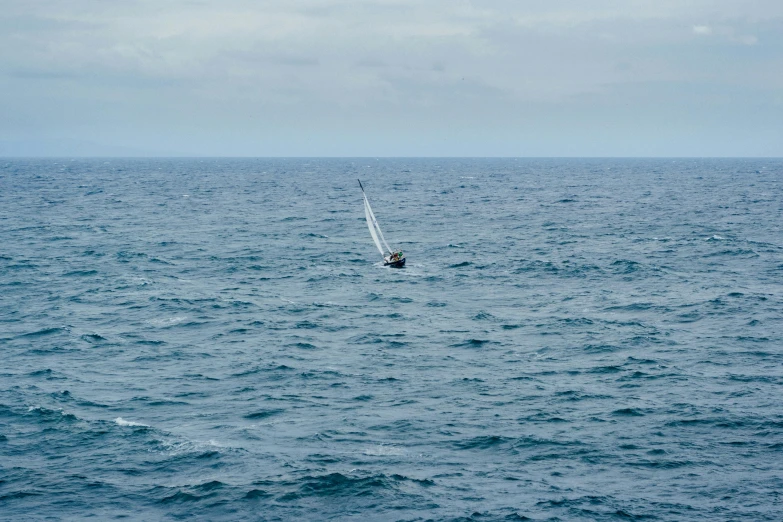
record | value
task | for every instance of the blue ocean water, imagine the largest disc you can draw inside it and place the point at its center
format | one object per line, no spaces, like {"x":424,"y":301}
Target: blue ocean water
{"x":217,"y":339}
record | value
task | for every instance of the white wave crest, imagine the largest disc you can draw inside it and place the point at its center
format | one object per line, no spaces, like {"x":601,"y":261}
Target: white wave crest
{"x":122,"y":422}
{"x":382,"y":450}
{"x":168,"y":321}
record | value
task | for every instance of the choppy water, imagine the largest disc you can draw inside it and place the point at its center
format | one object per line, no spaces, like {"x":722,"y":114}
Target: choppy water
{"x":217,"y":339}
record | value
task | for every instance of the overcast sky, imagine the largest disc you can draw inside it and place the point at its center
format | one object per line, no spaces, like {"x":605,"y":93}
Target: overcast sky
{"x":392,"y":77}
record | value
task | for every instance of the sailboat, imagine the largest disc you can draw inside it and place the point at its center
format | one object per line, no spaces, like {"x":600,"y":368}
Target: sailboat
{"x":391,"y":257}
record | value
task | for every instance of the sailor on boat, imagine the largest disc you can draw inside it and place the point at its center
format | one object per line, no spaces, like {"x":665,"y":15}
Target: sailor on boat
{"x":394,"y":259}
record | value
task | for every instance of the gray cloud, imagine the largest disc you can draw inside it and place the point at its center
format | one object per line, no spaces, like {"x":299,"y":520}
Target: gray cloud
{"x":394,"y":77}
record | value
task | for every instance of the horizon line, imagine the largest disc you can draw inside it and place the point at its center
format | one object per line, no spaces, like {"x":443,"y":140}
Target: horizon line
{"x":373,"y":157}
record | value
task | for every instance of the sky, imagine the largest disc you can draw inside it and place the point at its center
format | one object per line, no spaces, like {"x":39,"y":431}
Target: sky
{"x":513,"y":78}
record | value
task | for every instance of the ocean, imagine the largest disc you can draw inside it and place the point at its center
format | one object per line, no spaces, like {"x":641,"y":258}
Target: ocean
{"x":218,"y":339}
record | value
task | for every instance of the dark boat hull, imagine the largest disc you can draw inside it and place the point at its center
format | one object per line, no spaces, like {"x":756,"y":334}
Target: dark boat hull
{"x":395,"y":264}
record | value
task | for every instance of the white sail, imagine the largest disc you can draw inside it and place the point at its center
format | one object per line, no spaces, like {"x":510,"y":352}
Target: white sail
{"x":371,"y":224}
{"x":378,"y":228}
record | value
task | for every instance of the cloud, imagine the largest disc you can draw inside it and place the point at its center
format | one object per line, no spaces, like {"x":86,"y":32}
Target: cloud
{"x":747,"y":39}
{"x":726,"y":33}
{"x":302,"y":64}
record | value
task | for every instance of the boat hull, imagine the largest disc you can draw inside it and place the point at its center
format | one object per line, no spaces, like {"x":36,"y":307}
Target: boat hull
{"x":395,"y":264}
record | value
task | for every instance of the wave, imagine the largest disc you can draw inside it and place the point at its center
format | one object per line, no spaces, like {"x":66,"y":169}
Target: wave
{"x":336,"y":485}
{"x":263,"y":414}
{"x":122,"y":422}
{"x":49,"y":374}
{"x":628,"y":412}
{"x":44,"y":332}
{"x":55,"y":415}
{"x":81,"y":273}
{"x":472,"y":343}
